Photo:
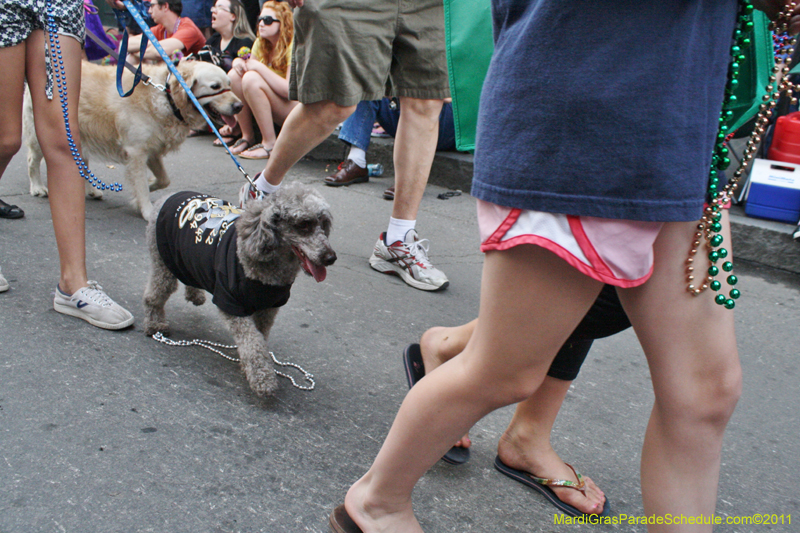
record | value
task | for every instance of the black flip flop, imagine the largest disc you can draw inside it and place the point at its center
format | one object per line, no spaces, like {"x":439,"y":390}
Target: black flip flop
{"x":10,"y":211}
{"x":525,"y":478}
{"x":415,"y":371}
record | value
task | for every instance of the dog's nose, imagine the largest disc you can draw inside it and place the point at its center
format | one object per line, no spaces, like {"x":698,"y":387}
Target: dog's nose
{"x":329,"y":258}
{"x":237,"y":106}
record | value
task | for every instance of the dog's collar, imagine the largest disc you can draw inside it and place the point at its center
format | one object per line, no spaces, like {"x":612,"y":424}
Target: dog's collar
{"x":168,"y":91}
{"x":173,"y":105}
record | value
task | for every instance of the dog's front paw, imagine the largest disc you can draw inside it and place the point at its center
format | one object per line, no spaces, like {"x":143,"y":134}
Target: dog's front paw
{"x":263,"y":381}
{"x":151,"y":328}
{"x":38,"y":190}
{"x":155,"y":321}
{"x":147,"y":210}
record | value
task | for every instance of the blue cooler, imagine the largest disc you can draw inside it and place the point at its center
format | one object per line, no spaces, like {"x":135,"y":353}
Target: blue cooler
{"x":774,"y":191}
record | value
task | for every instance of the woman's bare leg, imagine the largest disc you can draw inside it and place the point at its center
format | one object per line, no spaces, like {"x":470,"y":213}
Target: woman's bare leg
{"x":268,"y":108}
{"x":525,"y":445}
{"x":691,"y":349}
{"x":12,"y":62}
{"x":505,"y":361}
{"x":243,"y":117}
{"x":66,"y":186}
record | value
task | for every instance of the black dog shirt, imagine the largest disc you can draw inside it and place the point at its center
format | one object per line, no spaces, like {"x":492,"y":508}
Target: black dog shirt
{"x":196,"y":239}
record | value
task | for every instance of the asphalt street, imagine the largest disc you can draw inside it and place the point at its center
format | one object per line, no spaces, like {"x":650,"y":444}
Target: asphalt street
{"x":113,"y":432}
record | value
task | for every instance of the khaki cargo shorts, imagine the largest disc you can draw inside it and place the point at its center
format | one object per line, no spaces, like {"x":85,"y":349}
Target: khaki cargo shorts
{"x":347,"y":51}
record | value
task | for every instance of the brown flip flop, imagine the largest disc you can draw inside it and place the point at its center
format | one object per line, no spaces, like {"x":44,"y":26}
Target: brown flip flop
{"x":340,"y":521}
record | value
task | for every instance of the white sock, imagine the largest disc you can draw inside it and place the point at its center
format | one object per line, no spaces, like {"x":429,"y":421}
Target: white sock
{"x":398,"y":229}
{"x":358,"y":156}
{"x":265,"y":186}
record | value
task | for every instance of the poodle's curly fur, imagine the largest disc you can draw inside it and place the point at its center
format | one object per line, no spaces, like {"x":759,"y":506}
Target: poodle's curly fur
{"x":272,"y":236}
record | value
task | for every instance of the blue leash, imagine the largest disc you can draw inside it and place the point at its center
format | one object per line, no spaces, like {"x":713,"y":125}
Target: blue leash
{"x":137,"y":16}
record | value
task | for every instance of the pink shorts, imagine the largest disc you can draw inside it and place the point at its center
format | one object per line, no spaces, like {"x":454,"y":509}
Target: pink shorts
{"x":617,"y":252}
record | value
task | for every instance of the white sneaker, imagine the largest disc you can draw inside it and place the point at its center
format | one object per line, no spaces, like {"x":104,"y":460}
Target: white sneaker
{"x":94,"y":306}
{"x":246,"y":193}
{"x":796,"y":234}
{"x":4,"y":286}
{"x":409,"y":260}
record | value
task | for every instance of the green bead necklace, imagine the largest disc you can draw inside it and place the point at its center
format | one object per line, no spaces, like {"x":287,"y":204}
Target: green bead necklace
{"x":709,"y":227}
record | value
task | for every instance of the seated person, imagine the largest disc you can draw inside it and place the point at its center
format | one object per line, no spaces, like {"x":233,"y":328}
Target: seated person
{"x":261,"y":81}
{"x":174,"y":33}
{"x":231,"y":31}
{"x":357,"y":129}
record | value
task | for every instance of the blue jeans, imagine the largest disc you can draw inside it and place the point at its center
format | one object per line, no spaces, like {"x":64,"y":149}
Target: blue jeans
{"x":357,"y":129}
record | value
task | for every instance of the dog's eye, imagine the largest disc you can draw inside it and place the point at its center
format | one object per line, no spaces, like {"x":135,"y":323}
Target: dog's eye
{"x":216,"y":86}
{"x":305,"y":226}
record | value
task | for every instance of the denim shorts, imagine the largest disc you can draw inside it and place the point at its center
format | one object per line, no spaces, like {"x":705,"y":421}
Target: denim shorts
{"x":347,"y":51}
{"x":19,"y":18}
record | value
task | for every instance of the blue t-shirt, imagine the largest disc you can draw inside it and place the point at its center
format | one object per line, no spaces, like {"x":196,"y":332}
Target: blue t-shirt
{"x":605,"y":109}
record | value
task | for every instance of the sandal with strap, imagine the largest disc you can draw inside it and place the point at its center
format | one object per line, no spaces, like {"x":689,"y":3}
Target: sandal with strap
{"x":10,"y":211}
{"x":268,"y":151}
{"x":542,"y":486}
{"x":244,"y":143}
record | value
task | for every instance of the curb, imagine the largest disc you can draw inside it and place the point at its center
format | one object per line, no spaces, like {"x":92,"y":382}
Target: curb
{"x":759,"y":241}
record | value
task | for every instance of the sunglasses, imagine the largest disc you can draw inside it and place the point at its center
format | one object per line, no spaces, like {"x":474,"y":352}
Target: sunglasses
{"x":267,"y":20}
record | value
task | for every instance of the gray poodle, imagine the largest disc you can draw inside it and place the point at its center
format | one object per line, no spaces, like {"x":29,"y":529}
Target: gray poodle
{"x":247,"y":259}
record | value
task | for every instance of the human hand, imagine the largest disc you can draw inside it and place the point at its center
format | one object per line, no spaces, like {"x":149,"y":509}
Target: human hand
{"x":240,"y":66}
{"x":116,"y":4}
{"x":774,"y":7}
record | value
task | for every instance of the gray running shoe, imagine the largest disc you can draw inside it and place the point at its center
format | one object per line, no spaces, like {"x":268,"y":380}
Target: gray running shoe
{"x":94,"y":306}
{"x":3,"y":283}
{"x":409,"y":260}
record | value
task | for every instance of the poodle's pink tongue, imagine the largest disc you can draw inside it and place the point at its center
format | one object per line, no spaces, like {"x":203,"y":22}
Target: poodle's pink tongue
{"x":230,"y":120}
{"x":318,"y":272}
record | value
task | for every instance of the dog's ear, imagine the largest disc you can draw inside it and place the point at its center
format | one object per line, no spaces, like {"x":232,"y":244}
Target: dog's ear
{"x":257,"y":228}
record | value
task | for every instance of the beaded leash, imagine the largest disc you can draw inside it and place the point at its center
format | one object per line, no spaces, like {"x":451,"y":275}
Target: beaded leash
{"x":213,"y":346}
{"x":710,"y":226}
{"x":61,"y":82}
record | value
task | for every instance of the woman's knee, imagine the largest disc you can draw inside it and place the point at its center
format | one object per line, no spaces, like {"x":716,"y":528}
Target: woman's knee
{"x":708,"y":397}
{"x":9,"y":146}
{"x":252,"y":82}
{"x":508,"y":387}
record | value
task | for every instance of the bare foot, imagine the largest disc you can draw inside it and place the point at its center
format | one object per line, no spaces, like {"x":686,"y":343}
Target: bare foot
{"x":545,"y":462}
{"x":240,"y":146}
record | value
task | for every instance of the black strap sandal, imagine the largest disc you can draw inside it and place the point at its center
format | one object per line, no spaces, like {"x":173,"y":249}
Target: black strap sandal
{"x":10,"y":211}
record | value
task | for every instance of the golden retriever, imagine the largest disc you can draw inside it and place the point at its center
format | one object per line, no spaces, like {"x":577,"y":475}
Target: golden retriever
{"x":139,"y":130}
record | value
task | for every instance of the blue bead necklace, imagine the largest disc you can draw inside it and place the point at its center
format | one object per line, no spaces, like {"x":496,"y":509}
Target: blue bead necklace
{"x":710,"y":226}
{"x":61,"y":83}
